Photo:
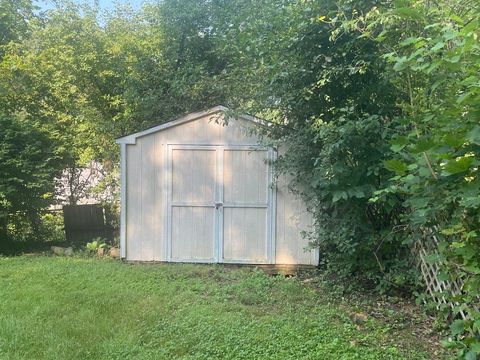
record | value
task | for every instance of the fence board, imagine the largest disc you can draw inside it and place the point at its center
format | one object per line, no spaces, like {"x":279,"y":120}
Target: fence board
{"x":85,"y":222}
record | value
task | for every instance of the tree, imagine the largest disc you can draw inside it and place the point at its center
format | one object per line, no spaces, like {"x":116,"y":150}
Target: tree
{"x":14,"y":18}
{"x":28,"y":164}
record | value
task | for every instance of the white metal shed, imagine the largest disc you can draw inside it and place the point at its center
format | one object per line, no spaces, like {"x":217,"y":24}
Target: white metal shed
{"x":198,"y":190}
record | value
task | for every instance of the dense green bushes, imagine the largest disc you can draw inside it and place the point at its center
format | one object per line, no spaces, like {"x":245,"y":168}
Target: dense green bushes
{"x":435,"y":60}
{"x":434,"y":57}
{"x":337,"y":110}
{"x":28,"y":164}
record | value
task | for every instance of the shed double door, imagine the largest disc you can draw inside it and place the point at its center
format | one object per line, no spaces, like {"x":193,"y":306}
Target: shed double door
{"x":220,"y":204}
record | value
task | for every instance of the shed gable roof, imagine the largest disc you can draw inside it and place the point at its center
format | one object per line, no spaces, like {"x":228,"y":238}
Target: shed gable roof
{"x":131,"y":139}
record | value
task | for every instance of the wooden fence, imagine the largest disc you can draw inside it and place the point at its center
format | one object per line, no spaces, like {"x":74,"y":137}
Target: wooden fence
{"x":86,"y":222}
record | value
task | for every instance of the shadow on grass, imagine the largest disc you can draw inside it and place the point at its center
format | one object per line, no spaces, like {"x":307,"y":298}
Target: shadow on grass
{"x":15,"y":248}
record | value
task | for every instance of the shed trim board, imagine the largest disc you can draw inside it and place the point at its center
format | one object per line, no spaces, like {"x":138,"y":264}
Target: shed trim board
{"x":219,"y":245}
{"x":273,"y":201}
{"x":123,"y":200}
{"x":166,"y":217}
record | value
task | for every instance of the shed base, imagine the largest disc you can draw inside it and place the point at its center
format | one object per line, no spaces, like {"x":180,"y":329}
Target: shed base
{"x":271,"y":269}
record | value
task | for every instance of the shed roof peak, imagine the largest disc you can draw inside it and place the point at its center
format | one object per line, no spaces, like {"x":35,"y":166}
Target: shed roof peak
{"x":131,"y":138}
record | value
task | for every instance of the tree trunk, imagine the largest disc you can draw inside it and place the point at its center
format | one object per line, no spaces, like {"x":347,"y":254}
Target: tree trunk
{"x":3,"y":232}
{"x":72,"y":199}
{"x":35,"y":222}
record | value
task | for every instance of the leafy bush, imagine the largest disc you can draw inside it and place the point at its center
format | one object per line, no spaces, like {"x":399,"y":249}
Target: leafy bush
{"x":378,"y":105}
{"x":336,"y":112}
{"x":338,"y":177}
{"x":28,"y":166}
{"x":52,"y":227}
{"x":433,"y":52}
{"x":97,"y":243}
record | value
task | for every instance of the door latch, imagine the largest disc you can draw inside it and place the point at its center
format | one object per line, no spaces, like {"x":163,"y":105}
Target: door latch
{"x":218,"y":204}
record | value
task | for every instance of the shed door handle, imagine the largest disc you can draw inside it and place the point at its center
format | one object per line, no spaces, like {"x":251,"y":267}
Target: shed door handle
{"x":218,"y":204}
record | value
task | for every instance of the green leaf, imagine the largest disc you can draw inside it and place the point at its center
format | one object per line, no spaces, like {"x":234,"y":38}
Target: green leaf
{"x":423,"y":145}
{"x":356,"y":192}
{"x":409,"y":41}
{"x":442,"y":276}
{"x":397,"y":166}
{"x":400,"y":64}
{"x":474,"y":135}
{"x":457,"y":327}
{"x":471,"y":355}
{"x":476,"y":327}
{"x":438,"y":46}
{"x":456,"y":18}
{"x":407,"y":12}
{"x":453,"y":59}
{"x":432,"y":258}
{"x":337,"y":195}
{"x":470,"y":201}
{"x":458,"y":166}
{"x":454,"y":140}
{"x":398,"y":143}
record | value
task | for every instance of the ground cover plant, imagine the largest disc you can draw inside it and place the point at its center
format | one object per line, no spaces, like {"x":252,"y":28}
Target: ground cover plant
{"x":86,"y":308}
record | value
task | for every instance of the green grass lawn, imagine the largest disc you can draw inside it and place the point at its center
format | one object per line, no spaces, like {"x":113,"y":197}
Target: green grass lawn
{"x":80,"y":308}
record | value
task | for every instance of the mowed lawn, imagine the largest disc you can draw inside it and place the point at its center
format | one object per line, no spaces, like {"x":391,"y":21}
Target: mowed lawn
{"x":85,"y":308}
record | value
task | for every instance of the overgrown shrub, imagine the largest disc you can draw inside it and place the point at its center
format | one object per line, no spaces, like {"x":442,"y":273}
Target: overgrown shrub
{"x":52,"y":228}
{"x":433,"y":52}
{"x":336,"y":111}
{"x":28,"y":166}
